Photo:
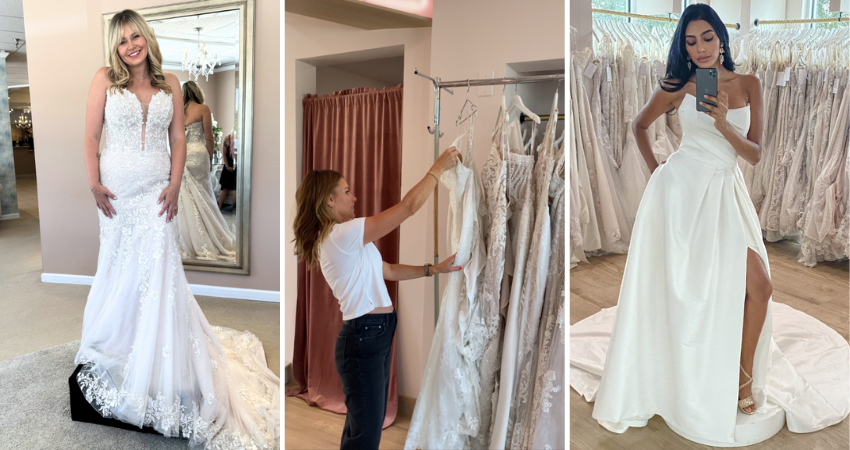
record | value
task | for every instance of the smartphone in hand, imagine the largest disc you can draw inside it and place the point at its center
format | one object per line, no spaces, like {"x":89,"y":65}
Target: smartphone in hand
{"x":706,"y":85}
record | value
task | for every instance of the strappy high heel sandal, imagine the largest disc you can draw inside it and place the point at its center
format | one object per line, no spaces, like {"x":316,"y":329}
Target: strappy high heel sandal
{"x":749,"y":401}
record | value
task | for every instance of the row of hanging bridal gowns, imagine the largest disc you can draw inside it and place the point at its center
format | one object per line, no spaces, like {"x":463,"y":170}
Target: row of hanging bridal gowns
{"x":495,"y":377}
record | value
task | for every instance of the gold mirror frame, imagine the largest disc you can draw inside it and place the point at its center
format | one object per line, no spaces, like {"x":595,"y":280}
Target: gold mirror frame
{"x":245,"y":121}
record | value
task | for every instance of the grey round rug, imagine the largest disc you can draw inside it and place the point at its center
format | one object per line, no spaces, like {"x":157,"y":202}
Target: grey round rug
{"x":35,"y":410}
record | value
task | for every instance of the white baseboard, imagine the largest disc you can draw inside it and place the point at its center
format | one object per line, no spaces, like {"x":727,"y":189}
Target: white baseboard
{"x":197,"y":289}
{"x":10,"y":216}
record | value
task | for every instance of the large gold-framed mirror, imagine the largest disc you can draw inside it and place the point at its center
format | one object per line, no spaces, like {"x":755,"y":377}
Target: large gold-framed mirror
{"x":216,"y":38}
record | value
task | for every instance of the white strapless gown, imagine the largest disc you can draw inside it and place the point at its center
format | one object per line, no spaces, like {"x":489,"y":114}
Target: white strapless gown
{"x":150,"y":357}
{"x":204,"y":234}
{"x":672,"y":344}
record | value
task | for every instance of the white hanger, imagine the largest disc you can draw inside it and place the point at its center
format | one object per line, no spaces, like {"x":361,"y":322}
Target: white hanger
{"x":516,"y":104}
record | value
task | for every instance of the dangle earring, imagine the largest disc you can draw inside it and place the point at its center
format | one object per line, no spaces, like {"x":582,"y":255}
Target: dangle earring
{"x":689,"y":63}
{"x":722,"y":52}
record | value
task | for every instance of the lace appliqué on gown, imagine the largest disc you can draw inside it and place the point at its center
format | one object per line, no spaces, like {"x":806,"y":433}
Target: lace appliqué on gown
{"x":204,"y":234}
{"x":150,"y":357}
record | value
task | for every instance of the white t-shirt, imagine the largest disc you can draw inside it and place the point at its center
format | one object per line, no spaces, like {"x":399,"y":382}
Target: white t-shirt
{"x":353,"y":271}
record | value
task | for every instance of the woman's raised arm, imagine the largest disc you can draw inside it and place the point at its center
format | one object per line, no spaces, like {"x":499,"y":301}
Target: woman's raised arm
{"x":381,"y":224}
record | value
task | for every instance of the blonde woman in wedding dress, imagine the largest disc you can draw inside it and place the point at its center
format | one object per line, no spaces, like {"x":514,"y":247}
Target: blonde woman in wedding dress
{"x":204,"y":234}
{"x":148,"y":355}
{"x":693,"y":334}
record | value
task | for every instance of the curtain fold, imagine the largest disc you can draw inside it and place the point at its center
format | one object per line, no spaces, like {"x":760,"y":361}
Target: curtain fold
{"x":356,"y":132}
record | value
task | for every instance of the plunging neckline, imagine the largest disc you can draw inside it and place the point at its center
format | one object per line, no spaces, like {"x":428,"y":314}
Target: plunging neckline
{"x":161,"y":91}
{"x":145,"y":113}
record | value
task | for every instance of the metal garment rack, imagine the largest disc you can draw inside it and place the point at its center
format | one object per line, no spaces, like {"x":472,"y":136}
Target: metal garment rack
{"x":543,"y":118}
{"x":840,"y":18}
{"x":438,"y":86}
{"x":669,"y":17}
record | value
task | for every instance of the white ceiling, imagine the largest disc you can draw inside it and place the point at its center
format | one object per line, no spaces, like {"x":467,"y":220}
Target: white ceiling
{"x":11,"y":27}
{"x":220,"y":34}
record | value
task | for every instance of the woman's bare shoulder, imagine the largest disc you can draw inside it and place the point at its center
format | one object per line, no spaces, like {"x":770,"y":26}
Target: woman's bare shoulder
{"x":673,"y":99}
{"x":102,"y":75}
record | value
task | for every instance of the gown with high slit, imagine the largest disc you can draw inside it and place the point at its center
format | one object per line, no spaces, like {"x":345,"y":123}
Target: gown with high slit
{"x":672,"y":345}
{"x":149,"y":356}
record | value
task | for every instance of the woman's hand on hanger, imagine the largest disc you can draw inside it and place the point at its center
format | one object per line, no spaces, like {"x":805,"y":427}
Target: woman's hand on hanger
{"x":446,"y":161}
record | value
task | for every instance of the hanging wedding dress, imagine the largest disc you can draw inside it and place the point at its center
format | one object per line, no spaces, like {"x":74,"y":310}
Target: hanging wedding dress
{"x":675,"y":334}
{"x":149,"y":356}
{"x":826,"y":207}
{"x":204,"y":234}
{"x":531,"y":301}
{"x":494,"y":178}
{"x":520,"y":224}
{"x":549,"y":401}
{"x":446,"y":413}
{"x":793,"y":194}
{"x":608,"y":205}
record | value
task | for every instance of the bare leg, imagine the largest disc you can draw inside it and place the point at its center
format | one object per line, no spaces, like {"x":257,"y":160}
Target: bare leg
{"x":759,"y":290}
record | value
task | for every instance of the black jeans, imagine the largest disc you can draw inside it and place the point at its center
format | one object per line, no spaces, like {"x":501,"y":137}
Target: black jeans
{"x":362,"y":355}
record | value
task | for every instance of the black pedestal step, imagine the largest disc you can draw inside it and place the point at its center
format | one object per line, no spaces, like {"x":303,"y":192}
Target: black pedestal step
{"x":83,"y":411}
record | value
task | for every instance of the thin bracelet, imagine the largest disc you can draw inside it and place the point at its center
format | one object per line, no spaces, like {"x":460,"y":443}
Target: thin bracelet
{"x":435,"y":177}
{"x":92,"y":188}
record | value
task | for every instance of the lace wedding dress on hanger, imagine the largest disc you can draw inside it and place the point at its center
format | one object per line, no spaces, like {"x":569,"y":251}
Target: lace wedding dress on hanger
{"x":534,"y":286}
{"x":149,"y":356}
{"x":520,"y":226}
{"x":204,"y":234}
{"x":549,"y":401}
{"x":494,"y":179}
{"x":446,"y":412}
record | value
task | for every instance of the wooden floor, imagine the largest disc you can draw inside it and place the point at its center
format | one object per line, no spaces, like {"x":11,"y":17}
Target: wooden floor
{"x":821,"y":292}
{"x":309,"y":428}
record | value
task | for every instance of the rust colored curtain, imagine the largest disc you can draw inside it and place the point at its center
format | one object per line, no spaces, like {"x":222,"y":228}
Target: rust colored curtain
{"x":356,"y":132}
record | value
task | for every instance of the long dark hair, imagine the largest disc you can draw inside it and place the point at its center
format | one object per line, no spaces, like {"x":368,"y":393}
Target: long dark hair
{"x":678,"y":73}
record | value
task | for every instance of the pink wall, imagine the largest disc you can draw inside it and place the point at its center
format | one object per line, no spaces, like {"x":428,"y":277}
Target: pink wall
{"x":69,"y":224}
{"x":466,"y":37}
{"x":309,"y":38}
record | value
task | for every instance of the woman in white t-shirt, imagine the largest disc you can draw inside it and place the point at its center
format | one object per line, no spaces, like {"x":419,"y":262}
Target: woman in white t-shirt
{"x":328,"y":235}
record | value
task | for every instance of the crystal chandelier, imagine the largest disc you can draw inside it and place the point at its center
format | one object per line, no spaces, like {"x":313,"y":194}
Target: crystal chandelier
{"x":203,"y":64}
{"x":23,"y":122}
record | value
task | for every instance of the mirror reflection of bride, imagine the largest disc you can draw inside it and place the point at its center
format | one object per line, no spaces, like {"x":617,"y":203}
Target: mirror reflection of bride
{"x":148,"y":356}
{"x":204,"y":234}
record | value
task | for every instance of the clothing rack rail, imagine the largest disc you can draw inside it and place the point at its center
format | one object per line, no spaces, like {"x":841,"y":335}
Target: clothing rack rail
{"x":523,"y":118}
{"x":438,"y":86}
{"x":840,"y":18}
{"x":669,"y":17}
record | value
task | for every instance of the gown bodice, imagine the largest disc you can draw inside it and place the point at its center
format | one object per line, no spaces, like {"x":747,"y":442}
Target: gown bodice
{"x":701,"y":140}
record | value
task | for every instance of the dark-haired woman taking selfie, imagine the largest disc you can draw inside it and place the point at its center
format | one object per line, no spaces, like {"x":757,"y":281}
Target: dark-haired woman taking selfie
{"x":692,"y":333}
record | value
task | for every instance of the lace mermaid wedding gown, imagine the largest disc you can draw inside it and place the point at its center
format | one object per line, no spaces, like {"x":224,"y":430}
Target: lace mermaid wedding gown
{"x":672,"y":344}
{"x":149,"y":356}
{"x":204,"y":234}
